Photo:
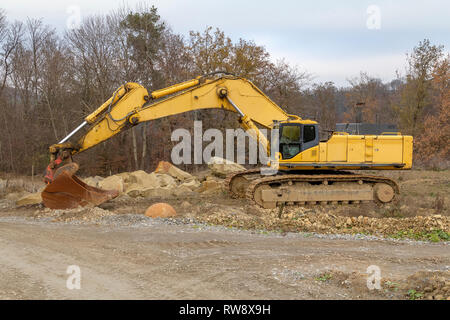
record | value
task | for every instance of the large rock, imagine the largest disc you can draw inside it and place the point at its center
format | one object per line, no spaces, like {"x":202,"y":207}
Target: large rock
{"x":93,"y":181}
{"x":166,"y":180}
{"x":210,"y":186}
{"x":134,"y":190}
{"x":222,"y":167}
{"x":157,"y":193}
{"x":137,"y":191}
{"x":143,"y":179}
{"x":112,"y":183}
{"x":160,"y":210}
{"x":32,"y":198}
{"x":182,"y":191}
{"x":192,"y":184}
{"x":168,"y":168}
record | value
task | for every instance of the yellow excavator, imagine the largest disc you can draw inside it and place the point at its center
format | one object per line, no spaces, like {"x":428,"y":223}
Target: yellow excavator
{"x":309,"y":171}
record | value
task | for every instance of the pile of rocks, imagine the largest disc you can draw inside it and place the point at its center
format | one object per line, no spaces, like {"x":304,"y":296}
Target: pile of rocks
{"x":87,"y":214}
{"x":165,"y":182}
{"x":321,"y":221}
{"x":430,"y":285}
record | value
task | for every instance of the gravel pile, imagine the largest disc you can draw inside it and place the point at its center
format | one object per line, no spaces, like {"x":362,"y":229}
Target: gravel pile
{"x":88,"y":214}
{"x":429,"y":285}
{"x":320,"y":221}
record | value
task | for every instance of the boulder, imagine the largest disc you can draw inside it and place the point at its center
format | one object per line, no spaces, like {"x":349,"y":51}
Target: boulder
{"x":122,"y":198}
{"x":125,"y":176}
{"x":168,"y":168}
{"x":157,"y":193}
{"x":92,"y":181}
{"x":181,"y":191}
{"x":210,"y":186}
{"x":222,"y":167}
{"x":192,"y":184}
{"x":160,"y":210}
{"x":144,"y":179}
{"x":185,"y":205}
{"x":134,"y":190}
{"x":32,"y":198}
{"x":112,"y":183}
{"x":166,"y":180}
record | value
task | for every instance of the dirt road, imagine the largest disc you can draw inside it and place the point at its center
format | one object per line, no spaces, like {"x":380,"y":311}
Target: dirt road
{"x":166,"y":261}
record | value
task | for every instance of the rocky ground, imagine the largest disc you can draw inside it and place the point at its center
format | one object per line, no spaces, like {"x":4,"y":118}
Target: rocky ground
{"x":418,"y":221}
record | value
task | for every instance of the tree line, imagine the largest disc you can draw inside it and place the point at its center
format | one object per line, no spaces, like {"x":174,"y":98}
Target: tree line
{"x":50,"y":81}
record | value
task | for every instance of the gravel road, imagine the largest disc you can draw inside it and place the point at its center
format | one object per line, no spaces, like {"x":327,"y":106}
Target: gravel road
{"x":156,"y":259}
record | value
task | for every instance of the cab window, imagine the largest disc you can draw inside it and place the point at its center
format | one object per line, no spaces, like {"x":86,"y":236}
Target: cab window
{"x":290,"y":134}
{"x":309,"y":133}
{"x":290,"y":141}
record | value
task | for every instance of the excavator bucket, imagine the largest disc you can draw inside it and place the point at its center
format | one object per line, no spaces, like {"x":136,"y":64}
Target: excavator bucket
{"x":67,"y":191}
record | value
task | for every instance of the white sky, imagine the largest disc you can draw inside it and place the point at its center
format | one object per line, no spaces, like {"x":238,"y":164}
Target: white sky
{"x":329,"y":39}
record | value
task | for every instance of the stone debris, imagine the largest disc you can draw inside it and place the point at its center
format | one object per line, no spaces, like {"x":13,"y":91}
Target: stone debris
{"x":181,"y":191}
{"x":144,"y":179}
{"x":29,"y":199}
{"x":192,"y":184}
{"x":168,"y":168}
{"x":93,"y":181}
{"x":430,"y":285}
{"x":222,"y":167}
{"x":210,"y":186}
{"x":112,"y":183}
{"x":157,"y":193}
{"x":322,"y":220}
{"x":87,"y":214}
{"x":185,"y":204}
{"x":166,"y":181}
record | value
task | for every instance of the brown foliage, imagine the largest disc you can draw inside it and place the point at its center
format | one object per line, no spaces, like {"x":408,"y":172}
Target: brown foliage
{"x":433,"y":144}
{"x":49,"y":83}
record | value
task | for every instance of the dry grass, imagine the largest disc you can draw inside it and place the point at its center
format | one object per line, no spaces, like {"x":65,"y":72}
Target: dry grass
{"x":10,"y":183}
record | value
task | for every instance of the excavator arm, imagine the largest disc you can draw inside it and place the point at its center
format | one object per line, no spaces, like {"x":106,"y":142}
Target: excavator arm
{"x":132,"y":104}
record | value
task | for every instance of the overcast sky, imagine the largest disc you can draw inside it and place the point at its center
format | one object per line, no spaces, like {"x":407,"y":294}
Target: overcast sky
{"x":332,"y":40}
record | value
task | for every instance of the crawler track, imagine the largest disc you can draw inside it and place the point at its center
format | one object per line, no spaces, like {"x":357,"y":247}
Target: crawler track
{"x":300,"y":189}
{"x":237,"y":189}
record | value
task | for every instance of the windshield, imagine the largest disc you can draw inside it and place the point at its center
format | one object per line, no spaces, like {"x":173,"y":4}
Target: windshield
{"x":290,"y":141}
{"x":290,"y":134}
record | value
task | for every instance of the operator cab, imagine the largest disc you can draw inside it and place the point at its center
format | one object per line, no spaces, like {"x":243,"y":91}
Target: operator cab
{"x":296,"y":138}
